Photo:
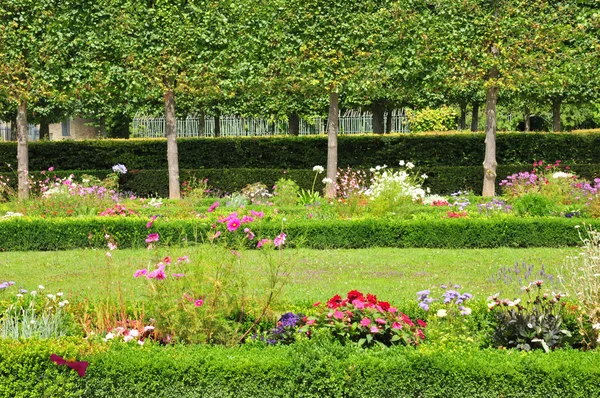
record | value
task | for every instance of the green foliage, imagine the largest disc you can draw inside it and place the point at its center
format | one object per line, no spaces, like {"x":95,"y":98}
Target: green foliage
{"x":285,"y":192}
{"x":23,"y":233}
{"x":534,"y":204}
{"x":442,"y":119}
{"x":535,"y":322}
{"x":316,"y":369}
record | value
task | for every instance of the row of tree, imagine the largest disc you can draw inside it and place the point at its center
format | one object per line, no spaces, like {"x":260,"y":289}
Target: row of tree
{"x":108,"y":58}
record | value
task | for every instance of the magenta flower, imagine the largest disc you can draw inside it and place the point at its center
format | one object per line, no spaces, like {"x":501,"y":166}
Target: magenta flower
{"x":279,"y":240}
{"x":199,"y":303}
{"x":152,"y":238}
{"x":358,"y":304}
{"x":374,"y":329}
{"x":178,"y":275}
{"x":51,"y":168}
{"x":183,"y":259}
{"x":380,"y":321}
{"x":140,"y":272}
{"x":259,"y":214}
{"x":212,"y":207}
{"x":233,"y":224}
{"x":396,"y":325}
{"x":365,"y":322}
{"x":247,"y":219}
{"x":338,"y":315}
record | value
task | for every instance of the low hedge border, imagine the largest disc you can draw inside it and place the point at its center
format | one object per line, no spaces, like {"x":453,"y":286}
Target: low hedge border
{"x":24,"y":233}
{"x":441,"y":180}
{"x":305,"y":369}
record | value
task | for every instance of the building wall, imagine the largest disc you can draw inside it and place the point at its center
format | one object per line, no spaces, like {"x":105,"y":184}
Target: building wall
{"x":77,"y":130}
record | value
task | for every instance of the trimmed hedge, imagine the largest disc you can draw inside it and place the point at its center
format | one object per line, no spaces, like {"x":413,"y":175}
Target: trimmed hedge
{"x":304,"y":369}
{"x":304,"y":152}
{"x":22,"y":233}
{"x":442,"y":179}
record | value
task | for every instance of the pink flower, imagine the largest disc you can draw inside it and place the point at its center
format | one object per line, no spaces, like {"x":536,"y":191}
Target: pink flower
{"x":374,"y":329}
{"x":167,"y":260}
{"x":51,"y":168}
{"x":247,"y":219}
{"x":393,"y":309}
{"x":112,"y":246}
{"x":358,"y":304}
{"x":178,"y":275}
{"x":152,"y":238}
{"x":263,"y":242}
{"x":158,"y":274}
{"x":233,"y":224}
{"x":249,"y":234}
{"x":183,"y":259}
{"x":212,"y":207}
{"x":259,"y":214}
{"x":380,"y":321}
{"x":318,"y":303}
{"x":151,"y":221}
{"x":365,"y":322}
{"x":396,"y":325}
{"x":279,"y":240}
{"x":338,"y":315}
{"x":140,"y":272}
{"x":199,"y":303}
{"x":311,"y":321}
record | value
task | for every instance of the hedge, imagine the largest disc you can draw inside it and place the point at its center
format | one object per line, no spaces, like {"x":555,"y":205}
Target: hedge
{"x":304,"y":152}
{"x":307,"y":369}
{"x":23,"y":233}
{"x":441,"y":179}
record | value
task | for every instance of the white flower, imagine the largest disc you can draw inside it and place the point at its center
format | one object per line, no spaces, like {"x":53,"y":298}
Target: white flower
{"x":401,"y":163}
{"x":424,"y":176}
{"x":63,"y":303}
{"x":378,"y":168}
{"x":466,"y":311}
{"x":51,"y":297}
{"x":109,"y":336}
{"x":327,"y":180}
{"x":577,"y":226}
{"x":318,"y":169}
{"x":442,"y":313}
{"x":596,"y":326}
{"x":33,"y":292}
{"x":32,"y":321}
{"x":41,"y":287}
{"x":146,"y":328}
{"x":59,"y":294}
{"x":127,"y":338}
{"x":134,"y":333}
{"x":19,"y":295}
{"x":491,"y":305}
{"x":409,"y":165}
{"x":513,"y":303}
{"x":562,"y":174}
{"x":372,"y":170}
{"x":141,"y":342}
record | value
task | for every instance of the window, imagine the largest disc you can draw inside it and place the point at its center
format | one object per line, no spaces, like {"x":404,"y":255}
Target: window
{"x":66,"y":128}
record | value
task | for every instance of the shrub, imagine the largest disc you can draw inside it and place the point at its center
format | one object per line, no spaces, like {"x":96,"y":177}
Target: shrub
{"x":534,"y":204}
{"x":441,"y":119}
{"x":285,"y":192}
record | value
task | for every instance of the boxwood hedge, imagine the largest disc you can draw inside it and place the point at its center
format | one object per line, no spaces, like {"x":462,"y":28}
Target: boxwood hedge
{"x":304,"y":369}
{"x":24,"y":233}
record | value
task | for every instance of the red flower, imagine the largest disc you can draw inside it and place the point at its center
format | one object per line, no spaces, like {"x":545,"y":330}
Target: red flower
{"x":371,"y":298}
{"x":334,"y":302}
{"x":421,"y":323}
{"x":355,"y":295}
{"x":78,"y":366}
{"x":384,"y":305}
{"x":406,"y":319}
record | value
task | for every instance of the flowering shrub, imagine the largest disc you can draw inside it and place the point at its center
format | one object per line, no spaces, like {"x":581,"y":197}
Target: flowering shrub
{"x":493,"y":207}
{"x":394,"y":184}
{"x":456,"y":214}
{"x":520,"y":184}
{"x":351,"y":182}
{"x":118,"y":210}
{"x":257,"y":193}
{"x":309,"y":197}
{"x":285,"y":332}
{"x":285,"y":192}
{"x":453,"y":302}
{"x":460,"y":199}
{"x":365,"y":321}
{"x":195,"y":188}
{"x":530,"y":324}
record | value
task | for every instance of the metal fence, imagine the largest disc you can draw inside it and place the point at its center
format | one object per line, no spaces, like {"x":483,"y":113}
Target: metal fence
{"x":351,"y":122}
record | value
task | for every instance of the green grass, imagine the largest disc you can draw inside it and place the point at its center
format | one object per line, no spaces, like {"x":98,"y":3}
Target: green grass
{"x":394,"y":275}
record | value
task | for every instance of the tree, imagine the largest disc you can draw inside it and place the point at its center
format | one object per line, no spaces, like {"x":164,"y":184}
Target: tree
{"x":175,"y":47}
{"x":30,"y":67}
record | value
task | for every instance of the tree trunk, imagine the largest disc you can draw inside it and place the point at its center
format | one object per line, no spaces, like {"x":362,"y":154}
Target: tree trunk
{"x":378,"y":111}
{"x":102,"y":126}
{"x":44,"y":130}
{"x":172,"y":155}
{"x":332,"y":144}
{"x":22,"y":151}
{"x":462,"y":123}
{"x":475,"y":117}
{"x":294,"y":124}
{"x":556,"y":102}
{"x":388,"y":121}
{"x":218,"y":124}
{"x":489,"y":164}
{"x":527,"y":127}
{"x":201,"y":124}
{"x":13,"y":129}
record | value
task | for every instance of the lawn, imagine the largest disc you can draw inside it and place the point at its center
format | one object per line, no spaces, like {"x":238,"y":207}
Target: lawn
{"x":314,"y":275}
